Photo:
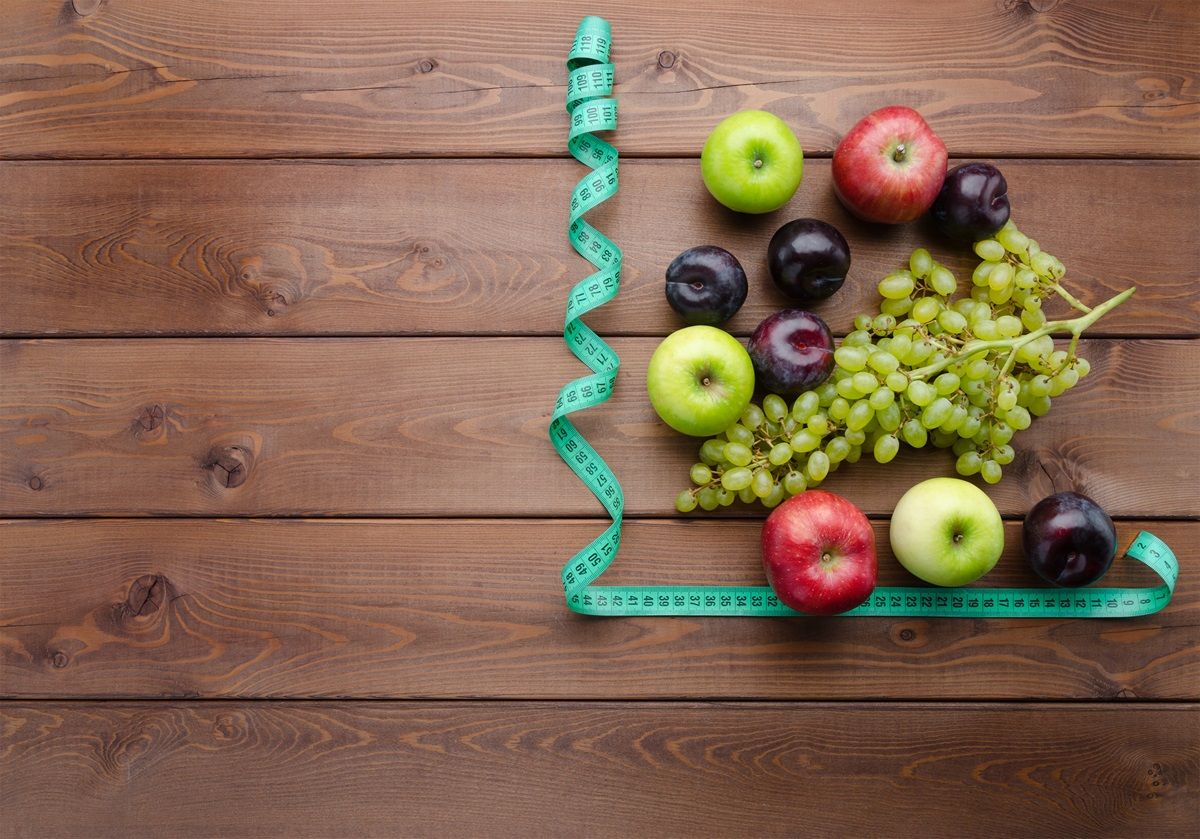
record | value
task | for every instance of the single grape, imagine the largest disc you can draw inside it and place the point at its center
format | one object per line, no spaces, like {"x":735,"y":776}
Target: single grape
{"x":1018,"y":418}
{"x":737,"y":454}
{"x":700,"y":474}
{"x":920,"y":263}
{"x":774,"y":497}
{"x":826,"y":393}
{"x":970,"y":427}
{"x":1001,"y":277}
{"x":817,"y":467}
{"x":990,"y":250}
{"x":819,"y":424}
{"x":855,"y":436}
{"x":958,"y":415}
{"x":746,"y":495}
{"x":1000,"y":296}
{"x":914,"y":433}
{"x":986,"y":330}
{"x":725,"y":497}
{"x":1082,"y":367}
{"x":881,"y":398}
{"x":860,"y":414}
{"x":936,"y":412}
{"x":774,"y":407}
{"x":736,"y":479}
{"x":889,"y":417}
{"x":979,"y":277}
{"x":1069,"y":377}
{"x":1043,"y":265}
{"x":807,"y":404}
{"x":897,"y":285}
{"x":896,"y":308}
{"x":946,"y":383}
{"x":978,"y":369}
{"x":968,"y":463}
{"x":962,"y":446}
{"x":1004,"y":455}
{"x":921,"y":393}
{"x":753,"y":416}
{"x":886,"y":447}
{"x":772,"y":429}
{"x":762,"y":483}
{"x":852,"y":359}
{"x":1009,"y":326}
{"x":883,"y":324}
{"x":840,"y":409}
{"x":712,"y":452}
{"x":805,"y":440}
{"x":1000,"y":433}
{"x":862,"y":322}
{"x":991,"y":471}
{"x":951,"y":321}
{"x":942,"y":281}
{"x":864,"y":382}
{"x":837,"y":449}
{"x":926,"y":309}
{"x":857,"y":338}
{"x":738,"y":433}
{"x":707,"y":498}
{"x":1024,"y":278}
{"x":780,"y":454}
{"x":685,"y":502}
{"x":794,"y":483}
{"x":847,"y":389}
{"x":897,"y":382}
{"x":883,"y":362}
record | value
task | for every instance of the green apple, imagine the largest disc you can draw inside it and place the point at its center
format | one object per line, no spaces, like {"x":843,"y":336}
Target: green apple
{"x":947,"y":532}
{"x":700,"y":379}
{"x":752,"y":162}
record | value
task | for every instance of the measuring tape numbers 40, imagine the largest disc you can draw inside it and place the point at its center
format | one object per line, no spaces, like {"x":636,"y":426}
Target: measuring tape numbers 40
{"x":592,"y":109}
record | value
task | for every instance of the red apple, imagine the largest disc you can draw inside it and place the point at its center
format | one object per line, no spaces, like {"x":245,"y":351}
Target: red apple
{"x":890,"y":167}
{"x":819,"y":553}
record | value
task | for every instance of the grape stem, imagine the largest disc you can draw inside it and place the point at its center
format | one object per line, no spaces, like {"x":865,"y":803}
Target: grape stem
{"x":1075,"y":326}
{"x":1070,"y":298}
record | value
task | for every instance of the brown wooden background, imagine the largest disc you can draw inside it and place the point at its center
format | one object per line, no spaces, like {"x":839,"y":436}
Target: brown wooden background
{"x":281,"y":289}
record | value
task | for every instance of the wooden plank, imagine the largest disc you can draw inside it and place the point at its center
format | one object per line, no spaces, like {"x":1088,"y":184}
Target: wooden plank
{"x":318,"y":248}
{"x":473,"y":608}
{"x":441,"y":426}
{"x":629,"y":769}
{"x":373,"y":77}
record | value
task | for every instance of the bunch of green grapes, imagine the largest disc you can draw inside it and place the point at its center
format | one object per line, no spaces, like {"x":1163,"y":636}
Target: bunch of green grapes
{"x":927,"y":369}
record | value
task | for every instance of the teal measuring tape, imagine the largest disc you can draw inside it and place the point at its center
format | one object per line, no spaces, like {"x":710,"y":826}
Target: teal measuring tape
{"x":591,"y":109}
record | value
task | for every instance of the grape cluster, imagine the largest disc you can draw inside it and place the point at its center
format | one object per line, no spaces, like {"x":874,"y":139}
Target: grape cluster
{"x":964,"y":374}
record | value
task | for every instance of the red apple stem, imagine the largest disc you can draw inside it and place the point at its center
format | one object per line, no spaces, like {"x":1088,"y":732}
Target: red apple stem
{"x":899,"y":154}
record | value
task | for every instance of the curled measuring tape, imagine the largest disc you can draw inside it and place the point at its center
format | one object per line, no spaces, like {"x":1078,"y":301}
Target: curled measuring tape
{"x":592,"y":108}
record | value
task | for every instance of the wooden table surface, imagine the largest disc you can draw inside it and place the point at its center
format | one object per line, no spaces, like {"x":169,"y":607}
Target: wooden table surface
{"x":281,"y":292}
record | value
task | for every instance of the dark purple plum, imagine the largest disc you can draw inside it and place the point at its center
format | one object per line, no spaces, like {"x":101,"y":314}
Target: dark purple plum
{"x":973,"y":203}
{"x":792,"y":352}
{"x":706,"y":285}
{"x":809,"y":259}
{"x":1069,"y":540}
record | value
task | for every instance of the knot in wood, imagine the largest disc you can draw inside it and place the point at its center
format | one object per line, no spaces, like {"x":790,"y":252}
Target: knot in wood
{"x":666,"y":59}
{"x":151,"y":417}
{"x":59,"y":659}
{"x":426,"y":65}
{"x":229,"y":465}
{"x":146,"y":595}
{"x":36,"y":483}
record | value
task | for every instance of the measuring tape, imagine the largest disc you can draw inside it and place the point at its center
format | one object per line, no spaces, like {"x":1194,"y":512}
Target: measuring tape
{"x":591,"y":109}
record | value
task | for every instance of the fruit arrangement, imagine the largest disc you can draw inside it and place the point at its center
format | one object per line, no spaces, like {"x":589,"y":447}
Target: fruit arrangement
{"x":940,"y":362}
{"x":962,"y":368}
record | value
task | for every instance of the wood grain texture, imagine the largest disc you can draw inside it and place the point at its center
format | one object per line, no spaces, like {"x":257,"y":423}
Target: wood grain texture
{"x":421,"y":247}
{"x":630,"y":769}
{"x":469,"y":609}
{"x":376,"y":77}
{"x":439,"y":426}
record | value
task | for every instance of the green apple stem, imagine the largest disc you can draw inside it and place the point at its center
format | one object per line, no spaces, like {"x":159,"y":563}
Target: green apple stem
{"x":1075,"y":327}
